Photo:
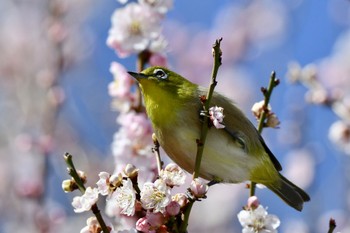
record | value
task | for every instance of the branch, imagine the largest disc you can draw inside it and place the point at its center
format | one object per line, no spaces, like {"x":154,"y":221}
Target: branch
{"x":155,"y":150}
{"x":267,"y":94}
{"x":200,"y":143}
{"x":332,"y":225}
{"x":74,"y":174}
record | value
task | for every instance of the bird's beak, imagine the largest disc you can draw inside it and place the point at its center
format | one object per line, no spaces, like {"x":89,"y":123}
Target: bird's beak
{"x":137,"y":75}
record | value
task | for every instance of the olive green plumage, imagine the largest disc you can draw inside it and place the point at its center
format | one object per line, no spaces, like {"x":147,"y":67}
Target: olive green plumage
{"x":233,"y":154}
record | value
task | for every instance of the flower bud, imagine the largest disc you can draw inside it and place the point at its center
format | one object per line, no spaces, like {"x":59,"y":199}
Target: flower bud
{"x":131,"y":171}
{"x":155,"y":219}
{"x":173,"y":208}
{"x":180,"y":198}
{"x":116,"y":180}
{"x":69,"y":186}
{"x":82,"y":176}
{"x":253,"y":202}
{"x":143,"y":225}
{"x":198,"y":188}
{"x":272,"y":121}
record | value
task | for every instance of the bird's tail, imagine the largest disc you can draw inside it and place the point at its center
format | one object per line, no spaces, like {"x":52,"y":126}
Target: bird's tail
{"x":290,"y":193}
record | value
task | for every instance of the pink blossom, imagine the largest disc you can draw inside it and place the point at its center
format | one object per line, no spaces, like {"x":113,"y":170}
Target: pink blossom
{"x":133,"y":28}
{"x":103,"y":183}
{"x":173,"y":175}
{"x":173,"y":208}
{"x":253,"y":202}
{"x":133,"y":140}
{"x":180,"y":198}
{"x":143,"y":225}
{"x":198,"y":188}
{"x":155,"y":219}
{"x":158,"y":59}
{"x":125,"y":197}
{"x":217,"y":116}
{"x":121,"y":86}
{"x":84,"y":202}
{"x":155,"y":196}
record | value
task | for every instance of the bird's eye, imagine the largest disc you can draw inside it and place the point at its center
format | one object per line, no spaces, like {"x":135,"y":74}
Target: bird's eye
{"x":160,"y":74}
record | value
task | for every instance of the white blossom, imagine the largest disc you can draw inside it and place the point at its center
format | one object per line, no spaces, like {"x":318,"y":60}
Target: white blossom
{"x":173,"y":175}
{"x":258,"y":221}
{"x":84,"y":202}
{"x":125,"y":197}
{"x":103,"y":183}
{"x":258,"y":108}
{"x":199,"y":187}
{"x":339,"y":134}
{"x":217,"y":116}
{"x":133,"y":29}
{"x":155,"y":196}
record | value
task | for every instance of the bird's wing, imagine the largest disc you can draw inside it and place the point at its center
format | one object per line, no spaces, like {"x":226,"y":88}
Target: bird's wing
{"x":238,"y":126}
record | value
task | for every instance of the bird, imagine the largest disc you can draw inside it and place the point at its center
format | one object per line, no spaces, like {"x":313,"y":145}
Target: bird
{"x":233,"y":154}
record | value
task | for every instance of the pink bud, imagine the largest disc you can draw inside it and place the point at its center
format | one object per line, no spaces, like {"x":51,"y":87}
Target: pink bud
{"x":253,"y":202}
{"x":198,"y":188}
{"x":180,"y":198}
{"x":173,"y":208}
{"x":155,"y":219}
{"x":157,"y":59}
{"x":142,"y":225}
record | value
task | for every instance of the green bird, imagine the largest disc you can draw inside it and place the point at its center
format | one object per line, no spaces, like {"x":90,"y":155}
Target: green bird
{"x":234,"y":154}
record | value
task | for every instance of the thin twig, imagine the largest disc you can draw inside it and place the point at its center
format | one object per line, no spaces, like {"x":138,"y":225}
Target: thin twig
{"x":332,"y":225}
{"x":155,"y":150}
{"x":74,"y":174}
{"x":267,"y":94}
{"x":200,"y":143}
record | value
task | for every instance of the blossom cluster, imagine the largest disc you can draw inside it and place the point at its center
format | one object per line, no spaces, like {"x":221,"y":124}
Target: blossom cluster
{"x":254,"y":218}
{"x":136,"y":27}
{"x":328,"y":84}
{"x":271,"y":118}
{"x":153,"y":206}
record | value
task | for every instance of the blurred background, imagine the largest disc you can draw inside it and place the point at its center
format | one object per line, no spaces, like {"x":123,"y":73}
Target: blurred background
{"x":54,"y":75}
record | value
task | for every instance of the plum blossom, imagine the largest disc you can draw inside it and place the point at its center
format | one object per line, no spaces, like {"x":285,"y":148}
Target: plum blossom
{"x":125,"y":197}
{"x":180,"y":198}
{"x":143,"y":225}
{"x":339,"y":134}
{"x":155,"y":196}
{"x":122,"y":84}
{"x":134,"y":27}
{"x":173,"y":175}
{"x":258,"y":108}
{"x":271,"y":118}
{"x":173,"y":208}
{"x":103,"y":183}
{"x":257,"y":220}
{"x":198,"y":188}
{"x":108,"y":183}
{"x":217,"y":116}
{"x":133,"y":141}
{"x":253,"y":202}
{"x":83,"y":203}
{"x":121,"y":88}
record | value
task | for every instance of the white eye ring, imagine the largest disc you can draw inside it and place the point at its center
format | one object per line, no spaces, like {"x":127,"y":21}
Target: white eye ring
{"x":160,"y":74}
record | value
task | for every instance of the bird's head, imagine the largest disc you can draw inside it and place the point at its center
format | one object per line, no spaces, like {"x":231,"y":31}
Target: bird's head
{"x":160,"y":82}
